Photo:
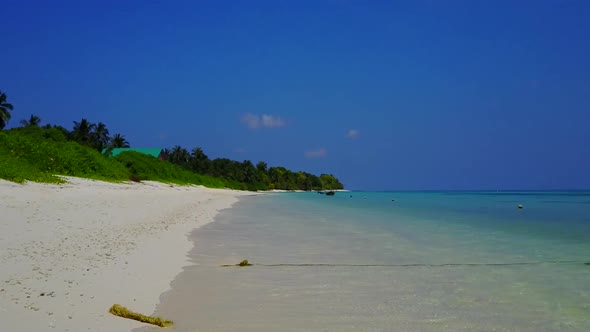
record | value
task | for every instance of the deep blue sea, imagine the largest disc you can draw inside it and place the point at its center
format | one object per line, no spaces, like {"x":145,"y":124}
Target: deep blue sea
{"x":390,"y":261}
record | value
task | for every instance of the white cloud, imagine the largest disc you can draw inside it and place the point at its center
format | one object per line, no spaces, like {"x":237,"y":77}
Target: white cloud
{"x":251,"y":120}
{"x":270,"y":121}
{"x":319,"y":153}
{"x":255,"y":121}
{"x":353,"y":133}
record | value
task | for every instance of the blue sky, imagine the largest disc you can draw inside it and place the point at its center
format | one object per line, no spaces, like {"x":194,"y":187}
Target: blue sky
{"x":384,"y":95}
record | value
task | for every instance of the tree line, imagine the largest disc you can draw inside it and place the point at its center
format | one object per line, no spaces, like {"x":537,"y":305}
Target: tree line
{"x":253,"y":177}
{"x":256,"y":177}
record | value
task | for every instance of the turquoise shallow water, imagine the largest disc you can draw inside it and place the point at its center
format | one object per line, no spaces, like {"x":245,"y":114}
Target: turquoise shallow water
{"x":390,"y":261}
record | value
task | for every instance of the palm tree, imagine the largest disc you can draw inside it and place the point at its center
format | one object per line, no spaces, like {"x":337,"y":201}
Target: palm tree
{"x":119,"y":141}
{"x":199,"y":155}
{"x":82,"y":132}
{"x":199,"y":160}
{"x":166,"y":153}
{"x":261,"y":167}
{"x":100,"y":136}
{"x":33,"y":121}
{"x":248,"y":172}
{"x":4,"y":108}
{"x":179,"y":156}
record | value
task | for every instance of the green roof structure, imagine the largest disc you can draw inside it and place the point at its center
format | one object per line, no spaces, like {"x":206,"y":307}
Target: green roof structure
{"x":154,"y":152}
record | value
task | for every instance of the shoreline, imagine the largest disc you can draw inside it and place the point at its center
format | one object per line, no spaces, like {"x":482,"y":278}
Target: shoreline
{"x":69,"y":252}
{"x":339,"y":267}
{"x":302,"y":191}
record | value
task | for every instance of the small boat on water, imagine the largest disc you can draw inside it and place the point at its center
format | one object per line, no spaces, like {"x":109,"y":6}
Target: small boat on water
{"x":330,"y":193}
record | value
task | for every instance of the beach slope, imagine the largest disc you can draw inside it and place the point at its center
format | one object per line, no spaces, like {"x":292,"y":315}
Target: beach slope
{"x":68,"y":252}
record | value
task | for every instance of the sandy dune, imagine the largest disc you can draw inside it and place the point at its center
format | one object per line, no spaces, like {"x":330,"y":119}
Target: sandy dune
{"x":68,"y":252}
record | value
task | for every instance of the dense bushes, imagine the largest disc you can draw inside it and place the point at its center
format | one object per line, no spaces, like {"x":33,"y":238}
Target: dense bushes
{"x":144,"y":167}
{"x":34,"y":158}
{"x":39,"y":153}
{"x":259,"y":177}
{"x":19,"y":170}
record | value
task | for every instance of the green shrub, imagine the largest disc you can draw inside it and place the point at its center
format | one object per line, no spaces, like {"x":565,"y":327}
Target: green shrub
{"x":40,"y":158}
{"x":17,"y":170}
{"x":38,"y":154}
{"x":55,"y":134}
{"x":144,"y":167}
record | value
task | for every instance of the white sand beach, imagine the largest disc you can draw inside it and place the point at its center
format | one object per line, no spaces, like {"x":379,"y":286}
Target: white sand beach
{"x":68,"y":252}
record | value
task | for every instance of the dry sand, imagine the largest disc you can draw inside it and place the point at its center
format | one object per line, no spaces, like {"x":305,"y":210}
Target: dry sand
{"x":68,"y":252}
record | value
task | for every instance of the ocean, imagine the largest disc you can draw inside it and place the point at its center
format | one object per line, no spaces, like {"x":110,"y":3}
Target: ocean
{"x":390,"y":261}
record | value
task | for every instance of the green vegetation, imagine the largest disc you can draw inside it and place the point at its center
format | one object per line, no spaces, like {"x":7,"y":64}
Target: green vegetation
{"x":5,"y":107}
{"x":119,"y":141}
{"x":27,"y":155}
{"x":33,"y":121}
{"x":121,"y":311}
{"x":143,"y":167}
{"x":259,"y":177}
{"x":17,"y":170}
{"x":39,"y":153}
